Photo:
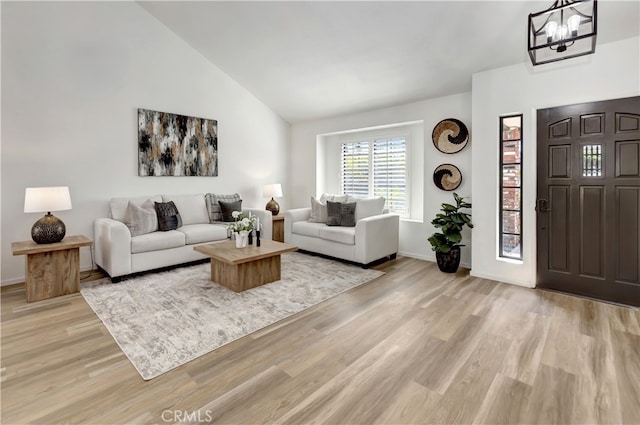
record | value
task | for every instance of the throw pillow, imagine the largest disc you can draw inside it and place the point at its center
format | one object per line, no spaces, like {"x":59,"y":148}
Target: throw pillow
{"x":193,"y":209}
{"x":334,"y":198}
{"x":341,"y":214}
{"x":168,"y":216}
{"x":228,"y":208}
{"x":348,"y":214}
{"x":141,"y":219}
{"x":369,"y":207}
{"x":333,"y":213}
{"x":318,"y":212}
{"x":213,"y":207}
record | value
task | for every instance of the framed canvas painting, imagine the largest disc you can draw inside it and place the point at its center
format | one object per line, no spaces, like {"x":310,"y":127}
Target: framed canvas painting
{"x":176,"y":145}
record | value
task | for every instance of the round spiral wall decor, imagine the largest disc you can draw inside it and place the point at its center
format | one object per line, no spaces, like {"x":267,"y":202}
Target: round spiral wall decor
{"x":450,"y":135}
{"x":447,"y":177}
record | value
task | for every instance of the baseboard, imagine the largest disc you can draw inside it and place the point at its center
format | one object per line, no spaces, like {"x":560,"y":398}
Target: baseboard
{"x":498,"y":278}
{"x":431,"y":258}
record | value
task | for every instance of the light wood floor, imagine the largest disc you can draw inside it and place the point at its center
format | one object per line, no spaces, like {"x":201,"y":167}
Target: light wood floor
{"x":414,"y":346}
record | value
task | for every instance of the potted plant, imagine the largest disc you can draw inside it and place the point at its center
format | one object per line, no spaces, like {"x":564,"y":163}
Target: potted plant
{"x":446,"y":243}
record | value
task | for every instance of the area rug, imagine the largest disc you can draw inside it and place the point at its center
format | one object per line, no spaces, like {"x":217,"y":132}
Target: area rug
{"x":163,"y":320}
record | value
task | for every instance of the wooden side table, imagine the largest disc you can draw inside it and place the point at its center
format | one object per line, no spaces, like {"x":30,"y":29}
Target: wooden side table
{"x":52,"y":269}
{"x":278,"y":228}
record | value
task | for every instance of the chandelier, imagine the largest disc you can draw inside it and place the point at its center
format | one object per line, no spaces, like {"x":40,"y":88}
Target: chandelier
{"x":566,"y":30}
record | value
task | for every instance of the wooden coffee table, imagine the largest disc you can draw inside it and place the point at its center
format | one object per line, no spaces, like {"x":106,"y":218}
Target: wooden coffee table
{"x":240,"y":269}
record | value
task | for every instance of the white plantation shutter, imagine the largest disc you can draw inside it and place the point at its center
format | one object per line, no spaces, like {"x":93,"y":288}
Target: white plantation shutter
{"x":390,"y":173}
{"x":377,"y":168}
{"x":355,"y":168}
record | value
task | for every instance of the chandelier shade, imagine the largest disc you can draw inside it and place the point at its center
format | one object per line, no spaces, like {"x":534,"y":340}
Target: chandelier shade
{"x":566,"y":30}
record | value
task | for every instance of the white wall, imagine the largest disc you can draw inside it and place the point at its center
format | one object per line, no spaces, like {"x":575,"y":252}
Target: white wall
{"x":73,"y":76}
{"x":413,"y":234}
{"x":612,"y":72}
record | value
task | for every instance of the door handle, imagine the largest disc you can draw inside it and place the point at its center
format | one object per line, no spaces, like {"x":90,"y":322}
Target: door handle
{"x":542,"y":205}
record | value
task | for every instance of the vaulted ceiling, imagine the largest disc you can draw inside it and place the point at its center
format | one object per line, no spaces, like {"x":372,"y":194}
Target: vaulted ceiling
{"x":315,"y":59}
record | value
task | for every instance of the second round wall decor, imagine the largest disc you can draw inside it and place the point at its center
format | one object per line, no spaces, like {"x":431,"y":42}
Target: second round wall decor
{"x":447,"y":177}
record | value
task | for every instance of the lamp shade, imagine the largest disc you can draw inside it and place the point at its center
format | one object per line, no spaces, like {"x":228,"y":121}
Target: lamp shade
{"x":272,"y":190}
{"x":46,"y":199}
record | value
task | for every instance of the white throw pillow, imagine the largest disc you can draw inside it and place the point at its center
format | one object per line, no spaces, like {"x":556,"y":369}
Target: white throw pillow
{"x":333,"y":198}
{"x":141,"y":219}
{"x":369,"y":207}
{"x":318,"y":211}
{"x":118,"y":206}
{"x":192,"y":208}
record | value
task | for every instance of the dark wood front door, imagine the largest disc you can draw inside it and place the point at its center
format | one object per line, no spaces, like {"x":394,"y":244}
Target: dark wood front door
{"x":588,"y":200}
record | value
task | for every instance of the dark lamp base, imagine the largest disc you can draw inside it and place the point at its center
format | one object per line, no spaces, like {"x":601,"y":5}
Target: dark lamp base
{"x":273,"y":206}
{"x":49,"y":229}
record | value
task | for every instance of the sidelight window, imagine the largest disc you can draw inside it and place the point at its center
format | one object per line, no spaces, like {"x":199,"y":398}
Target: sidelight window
{"x":510,"y":227}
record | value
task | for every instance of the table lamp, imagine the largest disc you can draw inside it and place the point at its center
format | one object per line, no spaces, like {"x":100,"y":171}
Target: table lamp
{"x":273,"y":191}
{"x":49,"y":229}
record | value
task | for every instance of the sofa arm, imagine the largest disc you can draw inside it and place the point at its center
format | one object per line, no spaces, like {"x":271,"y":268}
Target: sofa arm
{"x":112,"y":241}
{"x":377,"y":237}
{"x":290,"y":217}
{"x":266,"y":221}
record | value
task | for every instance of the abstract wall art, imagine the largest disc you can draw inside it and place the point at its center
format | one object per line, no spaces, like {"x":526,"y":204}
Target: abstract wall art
{"x":176,"y":145}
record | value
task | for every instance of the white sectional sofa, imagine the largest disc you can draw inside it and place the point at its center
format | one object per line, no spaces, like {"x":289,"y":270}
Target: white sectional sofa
{"x":374,"y":236}
{"x":119,"y":253}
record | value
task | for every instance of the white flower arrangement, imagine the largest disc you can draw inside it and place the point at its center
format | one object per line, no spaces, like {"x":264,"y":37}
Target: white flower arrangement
{"x":242,"y":223}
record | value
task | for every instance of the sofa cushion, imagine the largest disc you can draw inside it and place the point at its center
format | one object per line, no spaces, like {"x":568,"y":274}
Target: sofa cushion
{"x":345,"y":235}
{"x":306,"y":228}
{"x":368,"y":207}
{"x":341,"y":214}
{"x":118,"y":206}
{"x":141,"y":219}
{"x":168,"y":216}
{"x":192,"y":208}
{"x":228,"y":209}
{"x":213,"y":207}
{"x":156,"y":241}
{"x":198,"y":233}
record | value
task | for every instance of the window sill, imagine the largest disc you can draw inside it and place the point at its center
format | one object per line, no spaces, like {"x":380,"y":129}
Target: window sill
{"x":510,"y":260}
{"x":411,"y":220}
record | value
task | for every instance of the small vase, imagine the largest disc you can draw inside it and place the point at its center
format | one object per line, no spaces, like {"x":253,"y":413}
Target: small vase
{"x":241,"y":239}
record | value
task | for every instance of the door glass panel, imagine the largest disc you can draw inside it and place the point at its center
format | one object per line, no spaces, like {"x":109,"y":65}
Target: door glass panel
{"x":511,"y":246}
{"x":591,"y":160}
{"x":511,"y":175}
{"x":510,"y":198}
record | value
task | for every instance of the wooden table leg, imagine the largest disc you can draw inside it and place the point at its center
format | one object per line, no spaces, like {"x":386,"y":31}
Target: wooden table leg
{"x":54,"y":273}
{"x":240,"y":277}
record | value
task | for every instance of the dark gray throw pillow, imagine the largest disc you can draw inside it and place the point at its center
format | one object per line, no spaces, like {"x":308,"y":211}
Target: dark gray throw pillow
{"x":333,"y":213}
{"x":348,"y":215}
{"x":341,"y":214}
{"x":227,"y":208}
{"x":168,"y":216}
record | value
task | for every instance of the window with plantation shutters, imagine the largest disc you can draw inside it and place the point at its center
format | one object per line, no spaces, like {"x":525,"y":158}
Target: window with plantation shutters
{"x":355,"y":168}
{"x":377,"y":167}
